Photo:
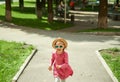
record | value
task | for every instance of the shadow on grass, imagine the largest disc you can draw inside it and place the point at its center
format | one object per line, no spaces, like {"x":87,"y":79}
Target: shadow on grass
{"x":31,"y":2}
{"x":90,"y":8}
{"x":39,"y":23}
{"x":26,"y":10}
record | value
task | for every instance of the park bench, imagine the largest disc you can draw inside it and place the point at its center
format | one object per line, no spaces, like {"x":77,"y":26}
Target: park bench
{"x":72,"y":16}
{"x":69,"y":15}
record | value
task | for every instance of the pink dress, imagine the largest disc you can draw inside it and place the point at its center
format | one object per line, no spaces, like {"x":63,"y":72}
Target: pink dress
{"x":65,"y":70}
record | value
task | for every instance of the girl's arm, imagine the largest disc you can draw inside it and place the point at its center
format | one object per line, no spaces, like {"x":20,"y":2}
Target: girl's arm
{"x":52,"y":61}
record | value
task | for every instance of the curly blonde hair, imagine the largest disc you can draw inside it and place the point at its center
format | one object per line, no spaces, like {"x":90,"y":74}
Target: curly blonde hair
{"x":60,"y":40}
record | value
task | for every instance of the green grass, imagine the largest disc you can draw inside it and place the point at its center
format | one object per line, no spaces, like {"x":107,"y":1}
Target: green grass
{"x":12,"y":55}
{"x":102,"y":30}
{"x":112,"y":58}
{"x":89,"y":8}
{"x":28,"y":18}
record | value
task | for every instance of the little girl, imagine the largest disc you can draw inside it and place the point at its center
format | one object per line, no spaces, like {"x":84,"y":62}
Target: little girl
{"x":59,"y":61}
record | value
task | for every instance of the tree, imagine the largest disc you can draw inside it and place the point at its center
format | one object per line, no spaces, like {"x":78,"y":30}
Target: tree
{"x":43,"y":3}
{"x":39,"y":9}
{"x":117,"y":2}
{"x":50,"y":11}
{"x":57,"y":2}
{"x":21,"y":5}
{"x":102,"y":17}
{"x":8,"y":16}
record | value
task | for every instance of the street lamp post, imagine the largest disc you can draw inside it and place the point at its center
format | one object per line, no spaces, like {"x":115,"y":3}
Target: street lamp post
{"x":65,"y":11}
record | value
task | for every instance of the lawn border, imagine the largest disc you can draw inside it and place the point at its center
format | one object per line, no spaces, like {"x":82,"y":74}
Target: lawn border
{"x":109,"y":71}
{"x":102,"y":33}
{"x":24,"y":65}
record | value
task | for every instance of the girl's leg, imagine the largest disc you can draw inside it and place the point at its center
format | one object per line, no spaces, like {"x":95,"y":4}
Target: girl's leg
{"x":62,"y":80}
{"x":57,"y":79}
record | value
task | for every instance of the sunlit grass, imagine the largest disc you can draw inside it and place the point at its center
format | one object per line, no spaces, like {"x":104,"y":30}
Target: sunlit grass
{"x":12,"y":55}
{"x":27,"y":17}
{"x":112,"y":57}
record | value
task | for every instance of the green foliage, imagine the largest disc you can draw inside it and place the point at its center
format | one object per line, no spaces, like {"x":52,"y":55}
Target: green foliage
{"x":115,"y":49}
{"x":112,"y":57}
{"x":12,"y":55}
{"x":90,"y":8}
{"x":27,"y":17}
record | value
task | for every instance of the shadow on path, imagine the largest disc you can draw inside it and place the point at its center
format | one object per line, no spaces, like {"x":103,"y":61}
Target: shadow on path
{"x":83,"y":20}
{"x":77,"y":37}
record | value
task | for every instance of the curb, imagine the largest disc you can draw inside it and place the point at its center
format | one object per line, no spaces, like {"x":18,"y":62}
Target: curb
{"x":22,"y":68}
{"x":106,"y":66}
{"x":102,"y":33}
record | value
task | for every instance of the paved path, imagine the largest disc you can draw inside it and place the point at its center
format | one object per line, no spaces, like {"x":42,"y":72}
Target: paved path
{"x":82,"y":56}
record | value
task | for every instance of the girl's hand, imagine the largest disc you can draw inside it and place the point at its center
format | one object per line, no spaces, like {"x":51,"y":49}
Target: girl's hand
{"x":58,"y":66}
{"x":50,"y":68}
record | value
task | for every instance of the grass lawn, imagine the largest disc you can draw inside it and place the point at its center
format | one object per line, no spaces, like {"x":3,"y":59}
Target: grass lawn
{"x":12,"y":55}
{"x":28,"y":18}
{"x":102,"y":30}
{"x":112,"y":58}
{"x":90,"y":8}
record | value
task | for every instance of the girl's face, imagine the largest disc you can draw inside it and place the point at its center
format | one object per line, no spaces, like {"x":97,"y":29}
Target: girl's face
{"x":59,"y":46}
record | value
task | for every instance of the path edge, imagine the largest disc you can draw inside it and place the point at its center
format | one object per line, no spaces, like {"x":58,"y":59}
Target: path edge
{"x":109,"y":71}
{"x":102,"y":33}
{"x":24,"y":65}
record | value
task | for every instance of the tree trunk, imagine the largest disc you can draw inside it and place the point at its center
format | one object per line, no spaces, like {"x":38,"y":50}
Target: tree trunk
{"x":102,"y":17}
{"x":57,"y":2}
{"x":21,"y":5}
{"x":39,"y":9}
{"x":117,"y":2}
{"x":8,"y":10}
{"x":50,"y":11}
{"x":43,"y":7}
{"x":43,"y":3}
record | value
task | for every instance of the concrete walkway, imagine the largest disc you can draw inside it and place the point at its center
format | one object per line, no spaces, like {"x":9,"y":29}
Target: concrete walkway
{"x":81,"y":49}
